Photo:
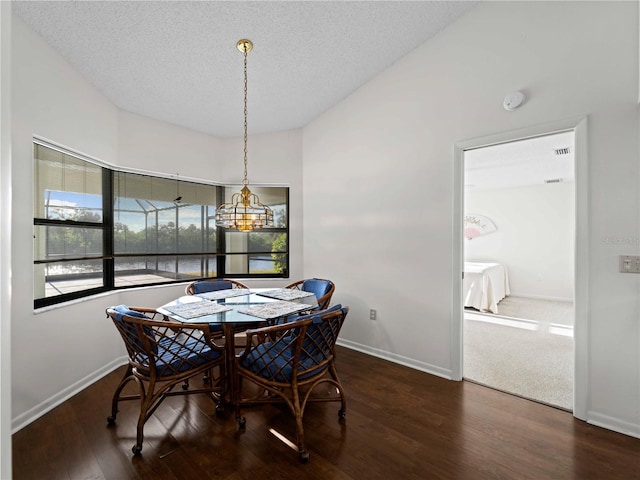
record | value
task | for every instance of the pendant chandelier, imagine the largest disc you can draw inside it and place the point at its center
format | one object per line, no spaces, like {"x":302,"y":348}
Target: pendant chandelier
{"x":245,"y":212}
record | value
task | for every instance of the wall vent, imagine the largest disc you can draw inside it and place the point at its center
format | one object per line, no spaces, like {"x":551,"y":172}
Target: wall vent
{"x":553,"y":180}
{"x":562,"y":151}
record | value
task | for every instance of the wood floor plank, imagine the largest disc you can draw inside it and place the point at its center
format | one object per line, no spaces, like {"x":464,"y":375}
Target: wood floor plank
{"x":400,"y":423}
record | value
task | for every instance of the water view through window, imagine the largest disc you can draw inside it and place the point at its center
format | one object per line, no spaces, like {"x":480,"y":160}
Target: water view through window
{"x":97,"y":229}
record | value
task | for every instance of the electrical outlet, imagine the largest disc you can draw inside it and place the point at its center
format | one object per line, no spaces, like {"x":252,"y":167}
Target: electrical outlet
{"x":629,"y":264}
{"x":372,"y":314}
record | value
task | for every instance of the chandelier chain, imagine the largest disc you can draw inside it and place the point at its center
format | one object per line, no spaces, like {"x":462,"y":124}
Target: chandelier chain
{"x":244,"y":212}
{"x":246,"y":180}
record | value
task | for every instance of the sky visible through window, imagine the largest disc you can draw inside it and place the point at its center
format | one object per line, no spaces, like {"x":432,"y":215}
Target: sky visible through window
{"x":71,"y":206}
{"x":128,"y":211}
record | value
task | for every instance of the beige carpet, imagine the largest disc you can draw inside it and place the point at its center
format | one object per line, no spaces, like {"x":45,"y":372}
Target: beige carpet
{"x":547,"y":311}
{"x":532,"y":358}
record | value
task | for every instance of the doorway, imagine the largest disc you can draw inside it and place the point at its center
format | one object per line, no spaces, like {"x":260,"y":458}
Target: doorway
{"x":519,"y":231}
{"x":580,"y":294}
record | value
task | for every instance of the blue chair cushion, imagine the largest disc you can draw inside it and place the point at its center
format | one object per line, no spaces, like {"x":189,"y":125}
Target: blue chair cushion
{"x":122,"y":310}
{"x":171,"y":356}
{"x":273,"y":362}
{"x":316,"y":316}
{"x":317,"y":332}
{"x":318,"y":287}
{"x":259,"y":359}
{"x":174,"y":357}
{"x":211,"y":286}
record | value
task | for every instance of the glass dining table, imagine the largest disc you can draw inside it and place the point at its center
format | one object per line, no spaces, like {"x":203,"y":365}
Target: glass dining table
{"x":234,"y":309}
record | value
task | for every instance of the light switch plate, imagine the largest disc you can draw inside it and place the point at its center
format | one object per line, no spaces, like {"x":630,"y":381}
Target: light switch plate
{"x":629,"y":264}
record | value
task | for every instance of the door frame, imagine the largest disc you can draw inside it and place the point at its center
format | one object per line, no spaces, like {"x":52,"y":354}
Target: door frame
{"x":581,"y":278}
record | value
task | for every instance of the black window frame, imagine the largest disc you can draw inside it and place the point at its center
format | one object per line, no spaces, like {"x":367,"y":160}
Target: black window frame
{"x":107,"y":227}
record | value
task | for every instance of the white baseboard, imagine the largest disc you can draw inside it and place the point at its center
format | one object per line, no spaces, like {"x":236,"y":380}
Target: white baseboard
{"x":49,"y":404}
{"x":541,"y":297}
{"x":395,"y":358}
{"x":614,"y":424}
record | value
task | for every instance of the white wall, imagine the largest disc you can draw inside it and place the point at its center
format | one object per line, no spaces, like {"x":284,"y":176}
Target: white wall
{"x":534,"y":237}
{"x":59,"y":350}
{"x":155,"y":146}
{"x":5,"y":239}
{"x":379,"y":180}
{"x":53,"y":350}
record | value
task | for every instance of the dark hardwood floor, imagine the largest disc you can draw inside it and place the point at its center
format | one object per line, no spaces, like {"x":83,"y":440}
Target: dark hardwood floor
{"x":400,"y":424}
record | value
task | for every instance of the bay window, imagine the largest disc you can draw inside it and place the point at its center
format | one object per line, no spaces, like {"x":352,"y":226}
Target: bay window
{"x":98,"y":229}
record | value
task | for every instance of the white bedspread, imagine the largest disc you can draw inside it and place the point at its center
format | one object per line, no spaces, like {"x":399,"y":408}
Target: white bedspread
{"x":484,"y":285}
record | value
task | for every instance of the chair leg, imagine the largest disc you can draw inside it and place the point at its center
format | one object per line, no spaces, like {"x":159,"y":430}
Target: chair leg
{"x":137,"y":448}
{"x":147,"y":401}
{"x":242,"y":422}
{"x":304,"y":455}
{"x":343,"y":401}
{"x":111,"y":420}
{"x":297,"y":413}
{"x":216,"y":397}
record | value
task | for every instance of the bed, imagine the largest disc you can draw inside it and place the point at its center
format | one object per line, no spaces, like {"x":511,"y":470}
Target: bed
{"x":484,"y":285}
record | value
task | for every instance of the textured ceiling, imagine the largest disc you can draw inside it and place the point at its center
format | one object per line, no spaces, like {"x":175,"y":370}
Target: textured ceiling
{"x":177,"y":61}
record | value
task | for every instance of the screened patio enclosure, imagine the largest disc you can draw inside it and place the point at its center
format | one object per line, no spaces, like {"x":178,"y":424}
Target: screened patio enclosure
{"x":96,"y":228}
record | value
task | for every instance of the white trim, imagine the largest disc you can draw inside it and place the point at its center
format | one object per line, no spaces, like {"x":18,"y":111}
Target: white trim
{"x":45,"y":142}
{"x":395,"y":358}
{"x":581,"y":284}
{"x":69,"y":151}
{"x":457,"y":263}
{"x":581,"y":297}
{"x":542,"y":297}
{"x":49,"y":404}
{"x":108,"y":293}
{"x":610,"y":423}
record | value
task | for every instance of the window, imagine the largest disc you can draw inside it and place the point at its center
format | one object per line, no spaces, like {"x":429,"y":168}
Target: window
{"x":69,"y":225}
{"x":263,"y":252}
{"x":98,"y":229}
{"x":163,"y":229}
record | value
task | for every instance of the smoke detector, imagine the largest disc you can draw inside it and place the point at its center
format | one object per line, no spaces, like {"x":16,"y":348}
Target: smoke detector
{"x":513,"y":101}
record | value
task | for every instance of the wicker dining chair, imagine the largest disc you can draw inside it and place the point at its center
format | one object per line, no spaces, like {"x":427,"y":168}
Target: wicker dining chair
{"x":212,"y":285}
{"x":163,"y":354}
{"x":288,"y":361}
{"x":322,"y":288}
